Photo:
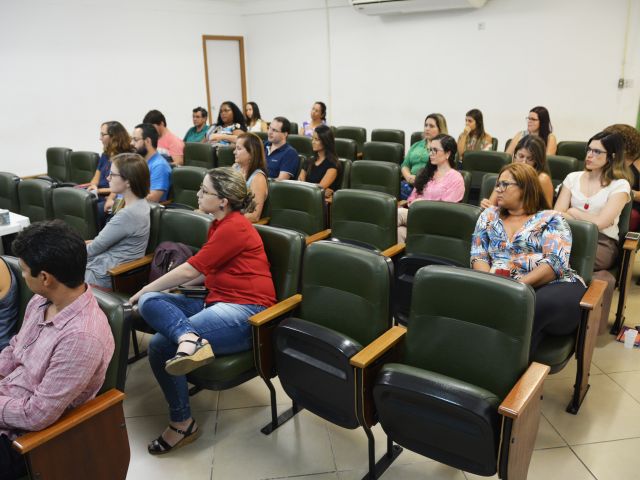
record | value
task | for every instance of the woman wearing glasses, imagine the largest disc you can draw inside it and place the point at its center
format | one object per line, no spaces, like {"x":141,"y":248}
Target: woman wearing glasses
{"x":538,"y":123}
{"x":125,"y":237}
{"x":228,"y":126}
{"x":439,"y":180}
{"x":521,"y":239}
{"x":598,"y":194}
{"x":235,"y":270}
{"x":530,"y":150}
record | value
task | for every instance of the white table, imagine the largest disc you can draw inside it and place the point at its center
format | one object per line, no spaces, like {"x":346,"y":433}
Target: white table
{"x":16,"y":224}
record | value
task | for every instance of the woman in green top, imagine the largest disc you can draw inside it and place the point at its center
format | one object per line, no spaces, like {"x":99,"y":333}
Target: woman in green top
{"x":418,"y":155}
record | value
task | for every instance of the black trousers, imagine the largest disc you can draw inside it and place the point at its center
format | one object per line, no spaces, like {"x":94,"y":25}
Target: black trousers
{"x":12,"y":466}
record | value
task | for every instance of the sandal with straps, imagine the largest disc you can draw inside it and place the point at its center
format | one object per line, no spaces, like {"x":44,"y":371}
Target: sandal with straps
{"x":159,"y":446}
{"x":184,"y":363}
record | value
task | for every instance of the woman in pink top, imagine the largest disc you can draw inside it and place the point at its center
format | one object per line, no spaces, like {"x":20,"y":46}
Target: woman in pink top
{"x":439,"y":180}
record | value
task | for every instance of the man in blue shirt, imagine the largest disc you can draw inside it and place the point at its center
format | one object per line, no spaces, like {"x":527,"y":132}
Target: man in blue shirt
{"x":283,"y":162}
{"x":145,"y":141}
{"x":198,"y":132}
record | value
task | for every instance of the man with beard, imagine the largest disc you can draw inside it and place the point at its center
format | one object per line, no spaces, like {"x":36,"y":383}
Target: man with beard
{"x":145,"y":142}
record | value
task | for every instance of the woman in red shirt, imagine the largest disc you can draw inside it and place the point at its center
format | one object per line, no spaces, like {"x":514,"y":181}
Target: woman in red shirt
{"x":235,"y":270}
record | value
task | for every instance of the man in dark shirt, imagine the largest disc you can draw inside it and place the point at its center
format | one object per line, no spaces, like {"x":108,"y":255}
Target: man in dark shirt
{"x":283,"y":162}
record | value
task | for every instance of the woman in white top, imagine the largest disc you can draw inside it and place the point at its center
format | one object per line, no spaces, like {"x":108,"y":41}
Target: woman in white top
{"x":250,"y":160}
{"x":598,"y":194}
{"x":538,"y":123}
{"x":254,"y":119}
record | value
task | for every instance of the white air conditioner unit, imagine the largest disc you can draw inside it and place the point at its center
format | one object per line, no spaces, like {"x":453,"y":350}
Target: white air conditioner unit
{"x":390,"y":7}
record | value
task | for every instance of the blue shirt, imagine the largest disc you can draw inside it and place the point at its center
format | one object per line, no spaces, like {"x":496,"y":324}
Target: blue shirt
{"x":104,"y":166}
{"x":194,"y":136}
{"x":160,"y":172}
{"x":284,"y":159}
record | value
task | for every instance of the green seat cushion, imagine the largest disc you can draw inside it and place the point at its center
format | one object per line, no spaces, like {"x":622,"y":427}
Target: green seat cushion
{"x":555,"y":351}
{"x":225,"y":369}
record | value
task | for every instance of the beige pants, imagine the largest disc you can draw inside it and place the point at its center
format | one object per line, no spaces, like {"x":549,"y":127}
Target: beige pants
{"x":403,"y":213}
{"x":606,"y":255}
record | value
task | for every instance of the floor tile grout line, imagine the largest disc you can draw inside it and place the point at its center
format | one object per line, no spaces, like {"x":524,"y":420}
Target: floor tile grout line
{"x":583,"y":464}
{"x":554,"y":428}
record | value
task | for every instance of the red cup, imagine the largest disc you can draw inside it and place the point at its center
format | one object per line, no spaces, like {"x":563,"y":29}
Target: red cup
{"x":503,"y":272}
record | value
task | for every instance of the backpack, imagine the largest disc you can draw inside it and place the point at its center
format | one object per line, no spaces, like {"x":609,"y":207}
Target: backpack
{"x":167,"y":256}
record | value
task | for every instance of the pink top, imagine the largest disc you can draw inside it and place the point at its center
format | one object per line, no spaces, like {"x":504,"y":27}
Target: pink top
{"x":449,"y":188}
{"x":170,"y":144}
{"x":53,"y":365}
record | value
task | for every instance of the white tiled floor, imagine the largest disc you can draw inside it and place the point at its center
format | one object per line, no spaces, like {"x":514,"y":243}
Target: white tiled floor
{"x":602,"y":442}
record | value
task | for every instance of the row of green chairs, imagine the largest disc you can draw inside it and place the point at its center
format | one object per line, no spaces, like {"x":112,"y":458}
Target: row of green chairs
{"x":205,"y":155}
{"x":67,"y":166}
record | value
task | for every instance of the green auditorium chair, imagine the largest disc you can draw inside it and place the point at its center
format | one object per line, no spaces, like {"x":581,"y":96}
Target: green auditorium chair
{"x":488,"y":185}
{"x":34,"y":197}
{"x":263,"y":136}
{"x":301,"y":144}
{"x":9,"y":192}
{"x":383,"y":151}
{"x":85,"y":429}
{"x":185,"y":182}
{"x":417,"y":136}
{"x":345,"y":172}
{"x":437,"y":233}
{"x":294,"y":128}
{"x":82,"y":166}
{"x":388,"y":135}
{"x":347,"y":148}
{"x":481,"y":162}
{"x":577,"y":150}
{"x":376,"y":176}
{"x":460,"y":389}
{"x":77,"y":208}
{"x":466,"y":176}
{"x":58,"y":159}
{"x":494,"y":144}
{"x":199,"y":155}
{"x":560,"y":166}
{"x":225,"y":156}
{"x":344,"y":306}
{"x":359,"y":134}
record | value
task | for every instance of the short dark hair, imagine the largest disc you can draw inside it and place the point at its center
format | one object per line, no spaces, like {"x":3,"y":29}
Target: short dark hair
{"x":149,"y":131}
{"x":155,"y":117}
{"x":286,"y":124}
{"x":53,"y":247}
{"x":134,"y":168}
{"x":202,"y":111}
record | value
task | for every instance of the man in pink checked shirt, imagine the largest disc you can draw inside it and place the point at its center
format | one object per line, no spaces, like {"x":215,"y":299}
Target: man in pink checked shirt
{"x":59,"y":358}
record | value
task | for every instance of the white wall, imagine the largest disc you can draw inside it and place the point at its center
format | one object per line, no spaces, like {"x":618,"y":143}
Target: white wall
{"x":390,"y":71}
{"x":67,"y":66}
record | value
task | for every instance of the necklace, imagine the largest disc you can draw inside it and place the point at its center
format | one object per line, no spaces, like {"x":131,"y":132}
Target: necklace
{"x":588,"y":195}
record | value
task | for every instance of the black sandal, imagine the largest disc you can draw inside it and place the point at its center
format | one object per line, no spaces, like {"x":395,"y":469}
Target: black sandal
{"x":159,"y":446}
{"x":184,"y":363}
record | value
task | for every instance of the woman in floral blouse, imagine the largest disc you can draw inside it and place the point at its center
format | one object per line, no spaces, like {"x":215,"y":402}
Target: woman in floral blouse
{"x":523,"y":240}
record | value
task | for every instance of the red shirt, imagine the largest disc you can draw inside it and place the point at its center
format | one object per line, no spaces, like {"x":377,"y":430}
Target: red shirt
{"x":234,"y":263}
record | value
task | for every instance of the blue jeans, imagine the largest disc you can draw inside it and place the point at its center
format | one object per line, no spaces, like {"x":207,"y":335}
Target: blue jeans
{"x":224,"y":325}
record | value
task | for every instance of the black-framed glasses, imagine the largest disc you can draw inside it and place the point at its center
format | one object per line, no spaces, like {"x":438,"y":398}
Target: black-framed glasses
{"x":595,"y":151}
{"x":434,"y":150}
{"x":204,"y":192}
{"x":271,"y":129}
{"x":111,"y":174}
{"x":504,"y":185}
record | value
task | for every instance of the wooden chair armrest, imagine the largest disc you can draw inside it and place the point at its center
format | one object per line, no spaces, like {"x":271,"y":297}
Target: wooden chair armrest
{"x":524,"y":390}
{"x":394,"y":250}
{"x":31,"y":440}
{"x":631,"y":245}
{"x":27,"y":177}
{"x":263,"y":221}
{"x":275,"y":311}
{"x":321,"y":235}
{"x":378,"y":347}
{"x":128,"y":266}
{"x":593,"y":296}
{"x":402,"y":203}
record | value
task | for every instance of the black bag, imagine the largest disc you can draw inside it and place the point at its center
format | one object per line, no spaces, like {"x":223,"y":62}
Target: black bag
{"x":168,"y":255}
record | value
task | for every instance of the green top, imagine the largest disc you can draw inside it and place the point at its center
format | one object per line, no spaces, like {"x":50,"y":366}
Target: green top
{"x":417,"y":157}
{"x":194,"y":136}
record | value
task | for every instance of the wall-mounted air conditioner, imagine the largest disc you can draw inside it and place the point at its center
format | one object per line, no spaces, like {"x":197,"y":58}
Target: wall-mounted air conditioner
{"x":390,"y":7}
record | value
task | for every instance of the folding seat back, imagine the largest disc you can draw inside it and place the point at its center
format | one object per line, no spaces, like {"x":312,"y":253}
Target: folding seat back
{"x":383,"y":151}
{"x":263,"y":136}
{"x":24,"y":293}
{"x":35,"y":199}
{"x":77,"y":208}
{"x":344,"y":174}
{"x":198,"y":155}
{"x":481,"y":162}
{"x":301,"y":144}
{"x":82,"y":166}
{"x":365,"y":218}
{"x":560,"y":166}
{"x":417,"y":136}
{"x":58,"y":159}
{"x":294,"y":128}
{"x":184,"y":226}
{"x":466,"y":176}
{"x":359,"y":134}
{"x":388,"y":135}
{"x":225,"y":156}
{"x":376,"y":176}
{"x":488,"y":185}
{"x":186,"y":182}
{"x":297,"y":205}
{"x":346,"y":148}
{"x":577,"y":150}
{"x":9,"y":192}
{"x":155,"y":212}
{"x":494,"y":144}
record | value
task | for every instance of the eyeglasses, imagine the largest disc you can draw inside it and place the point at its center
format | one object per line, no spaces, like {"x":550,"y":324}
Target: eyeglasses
{"x":111,"y":174}
{"x":595,"y":151}
{"x":504,"y":185}
{"x":103,"y":134}
{"x":531,"y":119}
{"x":274,"y":130}
{"x":434,"y":150}
{"x":204,"y":192}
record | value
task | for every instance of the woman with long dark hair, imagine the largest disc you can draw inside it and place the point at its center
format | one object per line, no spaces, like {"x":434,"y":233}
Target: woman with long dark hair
{"x":228,"y":126}
{"x":538,"y":123}
{"x":255,"y":123}
{"x":324,"y":166}
{"x":473,"y":137}
{"x":318,"y":117}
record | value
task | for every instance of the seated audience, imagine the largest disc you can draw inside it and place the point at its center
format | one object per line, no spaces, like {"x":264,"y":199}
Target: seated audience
{"x":530,"y":150}
{"x":250,"y":161}
{"x":523,"y":240}
{"x":254,"y":119}
{"x":169,"y":146}
{"x":418,"y":155}
{"x":235,"y":270}
{"x":324,"y":166}
{"x":228,"y":126}
{"x":126,"y":235}
{"x":439,"y":180}
{"x":631,"y":140}
{"x":145,"y":140}
{"x":283,"y":162}
{"x":198,"y":132}
{"x":598,"y":194}
{"x":473,"y":137}
{"x":538,"y":123}
{"x":8,"y":304}
{"x":59,"y":357}
{"x":318,"y":117}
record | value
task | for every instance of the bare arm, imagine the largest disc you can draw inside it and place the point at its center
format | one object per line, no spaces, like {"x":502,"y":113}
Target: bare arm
{"x":514,"y":142}
{"x":564,"y":201}
{"x":552,"y":144}
{"x":547,"y":187}
{"x":481,"y":266}
{"x":328,"y":178}
{"x":181,"y":274}
{"x":155,"y":195}
{"x":178,"y":159}
{"x":607,"y":215}
{"x":406,"y":173}
{"x":260,"y":189}
{"x":541,"y":275}
{"x":284,"y":176}
{"x":302,"y":176}
{"x":93,"y":184}
{"x":492,"y":200}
